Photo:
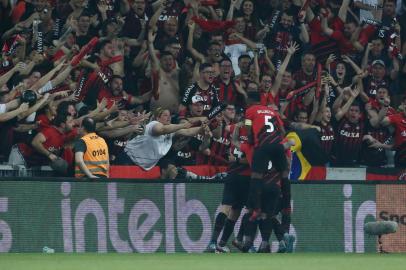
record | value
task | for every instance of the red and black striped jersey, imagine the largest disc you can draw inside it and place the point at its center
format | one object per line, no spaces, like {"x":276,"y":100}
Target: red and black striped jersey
{"x":267,"y":125}
{"x":375,"y":157}
{"x":210,"y":96}
{"x":348,"y":142}
{"x":327,"y":138}
{"x":220,"y":148}
{"x":226,"y":92}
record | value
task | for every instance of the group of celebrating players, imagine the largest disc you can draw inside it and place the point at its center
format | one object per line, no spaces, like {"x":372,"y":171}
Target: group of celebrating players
{"x":261,"y":168}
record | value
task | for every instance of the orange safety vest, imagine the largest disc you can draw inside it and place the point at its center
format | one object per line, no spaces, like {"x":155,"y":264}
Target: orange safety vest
{"x":96,"y":157}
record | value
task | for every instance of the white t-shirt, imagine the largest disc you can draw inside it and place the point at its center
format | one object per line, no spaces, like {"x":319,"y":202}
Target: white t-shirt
{"x":46,"y":88}
{"x":3,"y":108}
{"x":234,"y":51}
{"x":366,"y":14}
{"x":146,"y":150}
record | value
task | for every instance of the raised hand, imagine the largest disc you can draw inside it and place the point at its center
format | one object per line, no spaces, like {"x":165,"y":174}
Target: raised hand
{"x":101,"y":105}
{"x":292,"y":48}
{"x":138,"y":129}
{"x":191,"y":25}
{"x":331,"y":58}
{"x":151,"y":36}
{"x":20,"y":67}
{"x":346,"y":59}
{"x":355,"y":92}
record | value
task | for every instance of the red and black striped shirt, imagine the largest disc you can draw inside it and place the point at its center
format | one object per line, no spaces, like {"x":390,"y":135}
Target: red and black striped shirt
{"x":327,"y":138}
{"x":348,"y":142}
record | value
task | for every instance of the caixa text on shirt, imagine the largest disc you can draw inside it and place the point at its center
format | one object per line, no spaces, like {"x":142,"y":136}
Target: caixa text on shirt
{"x":349,"y":134}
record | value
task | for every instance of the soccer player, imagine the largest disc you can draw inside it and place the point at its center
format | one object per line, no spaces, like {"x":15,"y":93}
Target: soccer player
{"x":265,"y":128}
{"x":398,"y":121}
{"x":234,"y":193}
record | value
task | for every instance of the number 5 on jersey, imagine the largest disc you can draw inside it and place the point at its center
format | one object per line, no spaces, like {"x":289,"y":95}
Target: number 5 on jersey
{"x":268,"y":122}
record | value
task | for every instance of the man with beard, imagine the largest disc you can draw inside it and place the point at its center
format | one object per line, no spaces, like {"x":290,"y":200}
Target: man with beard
{"x":186,"y":151}
{"x":203,"y":87}
{"x":285,"y":33}
{"x":322,"y":45}
{"x":47,"y":145}
{"x":213,"y":53}
{"x":346,"y":36}
{"x":350,"y":130}
{"x":134,"y":19}
{"x":308,"y":72}
{"x":378,"y":77}
{"x":229,"y":90}
{"x":94,"y":79}
{"x":236,"y":43}
{"x":116,"y":94}
{"x":167,"y":95}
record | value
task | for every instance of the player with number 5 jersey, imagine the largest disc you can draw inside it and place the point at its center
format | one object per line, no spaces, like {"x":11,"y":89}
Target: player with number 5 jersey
{"x":266,"y":123}
{"x":265,"y":130}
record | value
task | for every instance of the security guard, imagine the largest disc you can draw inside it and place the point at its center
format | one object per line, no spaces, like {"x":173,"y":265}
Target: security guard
{"x":91,"y":153}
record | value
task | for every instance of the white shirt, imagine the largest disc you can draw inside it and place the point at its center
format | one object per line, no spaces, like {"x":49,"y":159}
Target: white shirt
{"x":234,"y":51}
{"x":146,"y":150}
{"x":366,"y":14}
{"x":3,"y":108}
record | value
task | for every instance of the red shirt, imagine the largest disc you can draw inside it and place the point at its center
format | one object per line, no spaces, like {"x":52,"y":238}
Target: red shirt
{"x":377,"y":107}
{"x":267,"y":99}
{"x":399,"y":122}
{"x":316,"y":34}
{"x":105,"y":93}
{"x":242,"y":169}
{"x":44,"y":122}
{"x":266,"y":124}
{"x":54,"y":142}
{"x":248,"y":150}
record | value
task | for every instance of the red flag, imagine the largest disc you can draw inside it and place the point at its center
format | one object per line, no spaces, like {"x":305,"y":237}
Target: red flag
{"x":211,"y":26}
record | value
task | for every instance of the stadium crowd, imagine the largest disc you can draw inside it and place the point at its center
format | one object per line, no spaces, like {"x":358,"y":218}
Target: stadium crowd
{"x":167,"y":81}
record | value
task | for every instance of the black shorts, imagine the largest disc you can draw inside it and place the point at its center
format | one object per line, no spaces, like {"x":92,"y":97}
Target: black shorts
{"x":264,"y":153}
{"x":270,"y":199}
{"x":235,"y":192}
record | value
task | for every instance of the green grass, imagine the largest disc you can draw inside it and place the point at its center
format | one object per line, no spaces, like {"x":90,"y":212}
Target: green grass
{"x":300,"y":261}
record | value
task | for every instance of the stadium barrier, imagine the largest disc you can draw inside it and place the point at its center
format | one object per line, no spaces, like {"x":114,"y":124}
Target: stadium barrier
{"x":174,"y":216}
{"x":135,"y":172}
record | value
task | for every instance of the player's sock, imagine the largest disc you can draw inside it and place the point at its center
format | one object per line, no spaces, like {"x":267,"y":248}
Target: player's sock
{"x":249,"y":234}
{"x":265,"y":227}
{"x":228,"y":230}
{"x":250,"y":229}
{"x":244,"y":220}
{"x":286,"y":221}
{"x":218,"y":226}
{"x":286,"y":196}
{"x":277,"y":227}
{"x":254,"y":197}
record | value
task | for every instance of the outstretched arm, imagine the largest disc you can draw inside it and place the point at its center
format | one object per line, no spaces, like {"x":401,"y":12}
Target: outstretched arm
{"x":344,"y":109}
{"x":196,"y":55}
{"x":342,"y":13}
{"x":278,"y":80}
